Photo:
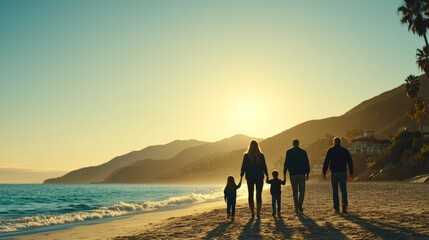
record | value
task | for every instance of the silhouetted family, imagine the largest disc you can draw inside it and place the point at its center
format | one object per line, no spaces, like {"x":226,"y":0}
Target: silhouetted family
{"x":296,"y":162}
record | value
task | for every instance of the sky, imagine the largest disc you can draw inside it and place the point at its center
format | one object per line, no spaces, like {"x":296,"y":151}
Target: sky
{"x":84,"y":81}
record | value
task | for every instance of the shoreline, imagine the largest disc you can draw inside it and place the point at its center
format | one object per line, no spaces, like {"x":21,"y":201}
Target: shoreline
{"x":376,"y":211}
{"x":131,"y":224}
{"x":38,"y":209}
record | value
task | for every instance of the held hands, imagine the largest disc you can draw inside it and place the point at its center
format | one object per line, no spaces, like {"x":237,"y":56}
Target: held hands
{"x":324,"y":177}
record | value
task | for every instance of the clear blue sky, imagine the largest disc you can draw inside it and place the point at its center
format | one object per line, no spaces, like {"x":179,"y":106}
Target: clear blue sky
{"x":84,"y":81}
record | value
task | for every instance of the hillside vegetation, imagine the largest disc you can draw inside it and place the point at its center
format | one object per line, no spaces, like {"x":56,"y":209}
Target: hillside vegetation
{"x":405,"y":158}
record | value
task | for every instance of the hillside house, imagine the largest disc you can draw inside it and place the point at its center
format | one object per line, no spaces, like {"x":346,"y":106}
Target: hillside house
{"x":368,"y":144}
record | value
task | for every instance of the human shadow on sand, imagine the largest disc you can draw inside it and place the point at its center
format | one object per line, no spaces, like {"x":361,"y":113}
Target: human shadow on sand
{"x":281,"y":227}
{"x":218,"y":231}
{"x":317,"y":231}
{"x":384,"y":230}
{"x":252,"y":230}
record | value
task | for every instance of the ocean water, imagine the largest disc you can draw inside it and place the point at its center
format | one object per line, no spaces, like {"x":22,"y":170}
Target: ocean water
{"x":34,"y":208}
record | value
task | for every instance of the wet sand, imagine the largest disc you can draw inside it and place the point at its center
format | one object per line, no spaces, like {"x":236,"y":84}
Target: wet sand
{"x":376,"y":211}
{"x":391,"y":210}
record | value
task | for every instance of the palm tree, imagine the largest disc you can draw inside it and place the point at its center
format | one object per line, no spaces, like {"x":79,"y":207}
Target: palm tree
{"x":412,"y":86}
{"x":422,"y":60}
{"x":414,"y":13}
{"x":411,"y":112}
{"x":420,"y":107}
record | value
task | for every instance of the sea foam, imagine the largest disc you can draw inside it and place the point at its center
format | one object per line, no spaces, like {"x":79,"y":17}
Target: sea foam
{"x":118,"y":209}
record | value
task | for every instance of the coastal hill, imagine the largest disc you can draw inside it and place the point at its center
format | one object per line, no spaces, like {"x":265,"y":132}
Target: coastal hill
{"x":140,"y":166}
{"x":150,"y":170}
{"x":99,"y":173}
{"x":384,"y":114}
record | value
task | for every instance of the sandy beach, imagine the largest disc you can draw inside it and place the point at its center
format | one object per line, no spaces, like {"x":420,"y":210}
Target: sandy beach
{"x":391,"y":210}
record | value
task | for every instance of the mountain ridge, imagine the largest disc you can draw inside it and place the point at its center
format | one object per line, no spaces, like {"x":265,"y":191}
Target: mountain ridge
{"x":384,"y":114}
{"x":98,"y":173}
{"x":149,"y":170}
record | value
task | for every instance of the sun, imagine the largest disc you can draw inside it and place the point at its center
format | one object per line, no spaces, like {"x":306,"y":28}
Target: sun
{"x":248,"y":111}
{"x":248,"y":114}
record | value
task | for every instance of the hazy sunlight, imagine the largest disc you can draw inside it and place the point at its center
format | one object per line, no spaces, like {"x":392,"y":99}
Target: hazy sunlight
{"x":249,"y":113}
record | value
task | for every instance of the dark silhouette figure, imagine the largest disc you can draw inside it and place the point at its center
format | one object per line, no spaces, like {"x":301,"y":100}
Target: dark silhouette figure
{"x":336,"y":159}
{"x":296,"y":162}
{"x":254,"y":167}
{"x":230,"y":196}
{"x":276,"y":191}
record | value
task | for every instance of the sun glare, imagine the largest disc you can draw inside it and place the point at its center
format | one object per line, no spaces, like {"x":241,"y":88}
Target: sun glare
{"x":248,"y":115}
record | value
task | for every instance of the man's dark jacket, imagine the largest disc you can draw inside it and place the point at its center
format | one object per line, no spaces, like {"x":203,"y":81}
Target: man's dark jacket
{"x":336,"y":159}
{"x":296,"y":162}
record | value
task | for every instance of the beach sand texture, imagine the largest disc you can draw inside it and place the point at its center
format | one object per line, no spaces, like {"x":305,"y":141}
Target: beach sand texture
{"x":391,"y":210}
{"x":377,"y":211}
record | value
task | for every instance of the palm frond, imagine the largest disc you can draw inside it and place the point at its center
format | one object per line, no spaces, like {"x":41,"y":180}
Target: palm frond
{"x":412,"y":86}
{"x":415,"y":13}
{"x":422,"y":59}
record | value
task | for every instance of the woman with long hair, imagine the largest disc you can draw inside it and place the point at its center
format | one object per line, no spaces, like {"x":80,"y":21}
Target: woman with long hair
{"x":254,"y":167}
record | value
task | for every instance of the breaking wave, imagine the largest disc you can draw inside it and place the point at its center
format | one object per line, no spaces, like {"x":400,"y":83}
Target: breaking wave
{"x":118,"y":209}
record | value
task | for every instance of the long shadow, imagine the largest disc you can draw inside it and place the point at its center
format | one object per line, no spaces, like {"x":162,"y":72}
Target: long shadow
{"x":317,"y":231}
{"x":218,"y":231}
{"x":251,"y":230}
{"x":246,"y":230}
{"x":384,"y":230}
{"x":256,"y":230}
{"x":281,"y":227}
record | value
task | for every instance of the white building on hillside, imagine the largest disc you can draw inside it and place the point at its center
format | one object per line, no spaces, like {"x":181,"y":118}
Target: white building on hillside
{"x":368,"y":144}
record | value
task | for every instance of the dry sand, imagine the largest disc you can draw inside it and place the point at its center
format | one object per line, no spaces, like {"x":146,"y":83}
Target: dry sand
{"x":393,"y":210}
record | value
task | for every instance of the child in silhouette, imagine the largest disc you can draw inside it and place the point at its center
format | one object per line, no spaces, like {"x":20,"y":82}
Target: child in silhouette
{"x":230,"y":195}
{"x":276,"y":191}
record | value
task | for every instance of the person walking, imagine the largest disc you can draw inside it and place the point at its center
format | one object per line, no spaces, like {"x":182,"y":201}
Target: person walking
{"x":336,"y":159}
{"x":254,"y":167}
{"x":296,"y":162}
{"x":230,"y":196}
{"x":276,"y":191}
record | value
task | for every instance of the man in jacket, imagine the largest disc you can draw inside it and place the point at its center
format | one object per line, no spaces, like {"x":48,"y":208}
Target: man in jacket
{"x":336,"y":159}
{"x":296,"y":162}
